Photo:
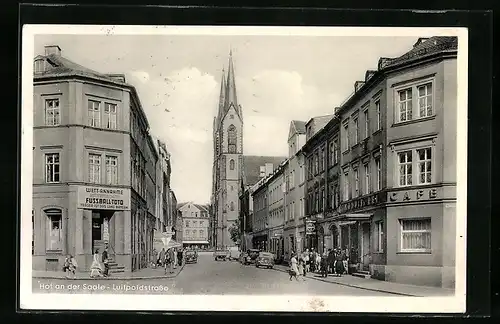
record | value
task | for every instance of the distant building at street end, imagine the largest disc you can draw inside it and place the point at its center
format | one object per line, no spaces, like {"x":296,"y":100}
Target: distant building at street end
{"x":93,"y":167}
{"x":195,"y":225}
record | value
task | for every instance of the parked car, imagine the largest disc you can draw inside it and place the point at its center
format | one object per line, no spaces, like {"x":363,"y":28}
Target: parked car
{"x":234,"y":253}
{"x":221,"y":254}
{"x":191,"y":257}
{"x":265,"y":259}
{"x":250,"y":256}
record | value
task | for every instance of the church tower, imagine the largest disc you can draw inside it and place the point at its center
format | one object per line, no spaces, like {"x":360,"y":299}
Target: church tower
{"x":228,"y":159}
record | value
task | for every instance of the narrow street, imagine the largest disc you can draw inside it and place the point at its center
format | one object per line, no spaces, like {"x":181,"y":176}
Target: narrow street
{"x":206,"y":277}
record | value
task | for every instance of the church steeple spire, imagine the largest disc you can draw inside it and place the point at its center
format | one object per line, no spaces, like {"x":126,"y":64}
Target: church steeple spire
{"x":231,"y":84}
{"x":222,"y":96}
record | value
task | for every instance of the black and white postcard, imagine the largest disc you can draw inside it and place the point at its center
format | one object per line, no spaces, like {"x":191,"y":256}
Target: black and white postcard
{"x":244,"y":168}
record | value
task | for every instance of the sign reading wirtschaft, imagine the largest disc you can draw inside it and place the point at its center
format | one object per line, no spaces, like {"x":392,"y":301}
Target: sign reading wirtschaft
{"x":98,"y":197}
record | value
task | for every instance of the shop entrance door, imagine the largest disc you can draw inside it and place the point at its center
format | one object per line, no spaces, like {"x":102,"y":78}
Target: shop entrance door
{"x":366,"y":246}
{"x":100,"y":229}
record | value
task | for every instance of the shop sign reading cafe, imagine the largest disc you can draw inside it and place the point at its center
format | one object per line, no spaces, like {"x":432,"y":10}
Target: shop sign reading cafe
{"x":98,"y":197}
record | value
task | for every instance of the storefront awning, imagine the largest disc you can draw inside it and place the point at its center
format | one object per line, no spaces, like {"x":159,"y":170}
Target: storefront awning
{"x":194,"y":242}
{"x":348,"y":219}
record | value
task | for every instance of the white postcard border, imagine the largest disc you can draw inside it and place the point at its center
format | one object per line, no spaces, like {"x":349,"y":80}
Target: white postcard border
{"x":30,"y":300}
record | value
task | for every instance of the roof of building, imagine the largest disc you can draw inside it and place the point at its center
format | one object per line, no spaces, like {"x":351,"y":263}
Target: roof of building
{"x":422,"y":48}
{"x":300,"y":126}
{"x":319,"y":122}
{"x":199,"y":206}
{"x":252,"y":164}
{"x":61,"y":66}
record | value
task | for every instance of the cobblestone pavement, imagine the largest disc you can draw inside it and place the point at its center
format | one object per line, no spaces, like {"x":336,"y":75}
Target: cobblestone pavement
{"x":206,"y":277}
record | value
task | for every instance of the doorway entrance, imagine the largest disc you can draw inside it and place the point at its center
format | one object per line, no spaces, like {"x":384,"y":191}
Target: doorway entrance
{"x":100,"y":229}
{"x":365,"y":256}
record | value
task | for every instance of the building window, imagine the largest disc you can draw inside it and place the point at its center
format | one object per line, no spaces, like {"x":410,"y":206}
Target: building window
{"x":379,"y":174}
{"x":231,"y":139}
{"x":416,"y":235}
{"x":231,"y":164}
{"x":323,"y":157}
{"x":112,"y":170}
{"x":187,"y":223}
{"x":367,"y":123}
{"x":52,"y":112}
{"x":54,"y":229}
{"x":405,"y":105}
{"x":232,"y":206}
{"x":424,"y":165}
{"x":336,"y":194}
{"x":356,"y":130}
{"x":346,"y":142}
{"x":94,"y":113}
{"x":110,"y":116}
{"x":379,"y":236}
{"x":356,"y":183}
{"x":52,"y":168}
{"x":405,"y":170}
{"x":200,"y":233}
{"x":293,"y":209}
{"x":39,"y":66}
{"x":425,"y":100}
{"x":346,"y":186}
{"x":94,"y":168}
{"x":335,"y":152}
{"x":231,"y":116}
{"x":379,"y":116}
{"x":367,"y":178}
{"x":322,"y":200}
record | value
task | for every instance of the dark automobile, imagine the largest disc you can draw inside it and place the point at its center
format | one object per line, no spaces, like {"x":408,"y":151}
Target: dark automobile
{"x":221,"y":254}
{"x":265,"y":259}
{"x":250,"y":256}
{"x":191,"y":257}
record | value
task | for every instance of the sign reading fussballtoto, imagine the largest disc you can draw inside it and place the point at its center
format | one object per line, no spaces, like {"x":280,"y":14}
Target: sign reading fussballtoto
{"x":98,"y":197}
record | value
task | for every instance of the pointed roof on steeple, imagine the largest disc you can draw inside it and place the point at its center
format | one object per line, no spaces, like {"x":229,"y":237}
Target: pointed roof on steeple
{"x":231,"y":85}
{"x":222,"y":97}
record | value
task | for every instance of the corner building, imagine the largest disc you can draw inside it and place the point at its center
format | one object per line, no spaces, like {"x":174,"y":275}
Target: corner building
{"x":398,"y":167}
{"x":89,"y":184}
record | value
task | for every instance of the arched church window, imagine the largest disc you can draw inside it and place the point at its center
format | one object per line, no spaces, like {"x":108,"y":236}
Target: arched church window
{"x":231,"y":139}
{"x":231,"y":164}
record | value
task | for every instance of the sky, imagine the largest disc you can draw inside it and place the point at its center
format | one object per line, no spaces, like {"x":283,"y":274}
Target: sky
{"x":278,"y":79}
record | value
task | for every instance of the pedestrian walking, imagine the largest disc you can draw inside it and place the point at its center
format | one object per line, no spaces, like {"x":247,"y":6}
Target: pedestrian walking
{"x":324,"y":265}
{"x":105,"y":261}
{"x":331,"y":260}
{"x":96,"y":268}
{"x":294,"y":269}
{"x":70,"y":266}
{"x":161,"y":257}
{"x":339,"y":264}
{"x":318,"y":261}
{"x":175,"y":257}
{"x":306,"y":261}
{"x":345,"y":258}
{"x":312,"y":260}
{"x":302,"y":268}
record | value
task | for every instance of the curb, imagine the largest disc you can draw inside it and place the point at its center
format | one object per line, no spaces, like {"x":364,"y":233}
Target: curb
{"x":115,"y":278}
{"x":358,"y":287}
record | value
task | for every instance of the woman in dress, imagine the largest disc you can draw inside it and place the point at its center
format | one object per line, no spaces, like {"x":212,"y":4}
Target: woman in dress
{"x":294,"y":267}
{"x":96,"y":268}
{"x":339,"y":264}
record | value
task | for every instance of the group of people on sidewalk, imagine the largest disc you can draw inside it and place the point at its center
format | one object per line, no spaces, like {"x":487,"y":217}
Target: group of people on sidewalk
{"x":335,"y":261}
{"x":170,"y":259}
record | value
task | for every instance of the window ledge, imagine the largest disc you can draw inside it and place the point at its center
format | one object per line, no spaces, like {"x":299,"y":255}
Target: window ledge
{"x":346,"y":151}
{"x":356,"y":145}
{"x":414,"y":252}
{"x":377,"y":132}
{"x":413,"y":121}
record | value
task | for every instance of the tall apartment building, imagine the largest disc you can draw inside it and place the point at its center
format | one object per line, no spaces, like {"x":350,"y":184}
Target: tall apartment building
{"x":93,"y":167}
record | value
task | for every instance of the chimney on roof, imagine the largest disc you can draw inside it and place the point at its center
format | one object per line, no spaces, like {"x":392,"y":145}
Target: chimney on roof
{"x":269,"y":168}
{"x":420,"y":41}
{"x":117,"y":77}
{"x":336,"y":110}
{"x":52,"y":49}
{"x":262,"y":172}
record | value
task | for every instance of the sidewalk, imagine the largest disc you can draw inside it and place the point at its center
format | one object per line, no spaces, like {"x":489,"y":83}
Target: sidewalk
{"x":147,"y":273}
{"x":379,"y":285}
